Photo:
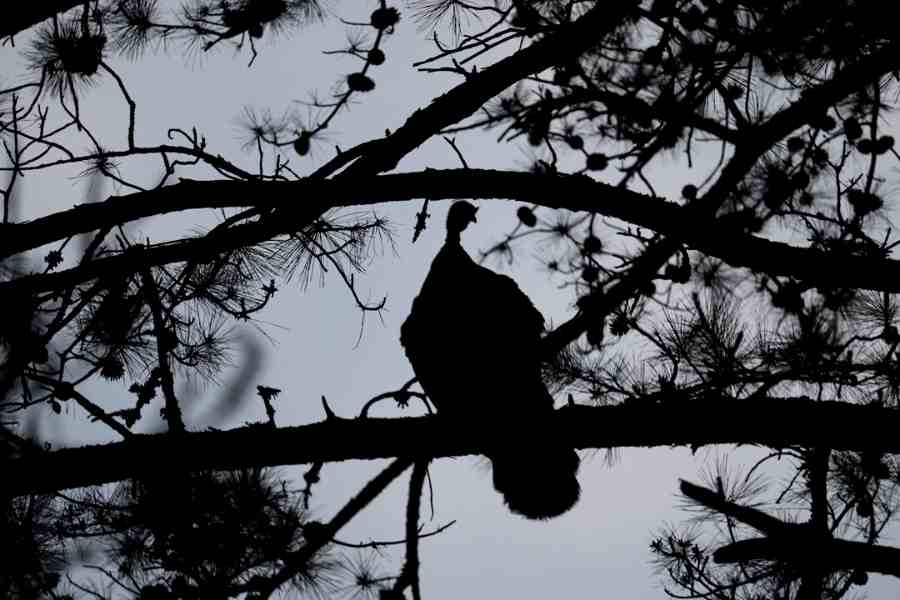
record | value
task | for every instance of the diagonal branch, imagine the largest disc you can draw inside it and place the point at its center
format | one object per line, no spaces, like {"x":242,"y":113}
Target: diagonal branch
{"x":295,"y":562}
{"x":560,"y":46}
{"x":762,"y":522}
{"x":66,"y":390}
{"x":792,"y":543}
{"x":756,"y":141}
{"x":164,"y":344}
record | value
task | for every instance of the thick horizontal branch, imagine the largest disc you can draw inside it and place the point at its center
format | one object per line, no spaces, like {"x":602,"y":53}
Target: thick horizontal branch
{"x":770,"y":422}
{"x":831,"y":554}
{"x":574,"y":193}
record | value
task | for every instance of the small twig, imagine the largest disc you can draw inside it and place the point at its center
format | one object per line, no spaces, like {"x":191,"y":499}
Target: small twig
{"x":311,"y":477}
{"x":375,"y":544}
{"x":452,"y":142}
{"x":401,"y":395}
{"x":65,"y":390}
{"x":132,"y":106}
{"x":268,"y":394}
{"x":329,"y":414}
{"x":421,"y":217}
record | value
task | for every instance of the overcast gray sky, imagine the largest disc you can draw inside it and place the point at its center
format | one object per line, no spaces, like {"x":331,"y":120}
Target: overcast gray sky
{"x":599,"y":549}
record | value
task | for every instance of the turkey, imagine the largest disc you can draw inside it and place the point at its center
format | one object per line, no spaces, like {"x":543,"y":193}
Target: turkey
{"x":473,"y":339}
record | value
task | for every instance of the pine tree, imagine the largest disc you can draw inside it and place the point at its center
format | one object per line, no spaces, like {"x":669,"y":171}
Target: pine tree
{"x":746,"y":296}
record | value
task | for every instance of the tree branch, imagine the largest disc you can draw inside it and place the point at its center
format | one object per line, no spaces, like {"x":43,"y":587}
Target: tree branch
{"x":568,"y":42}
{"x":768,"y":422}
{"x":296,"y":561}
{"x":799,"y":544}
{"x":829,"y":555}
{"x":22,"y":15}
{"x":570,"y":192}
{"x":756,"y":141}
{"x":164,"y":344}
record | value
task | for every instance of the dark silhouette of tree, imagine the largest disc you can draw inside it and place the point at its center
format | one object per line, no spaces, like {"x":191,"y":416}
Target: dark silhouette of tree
{"x":757,"y":306}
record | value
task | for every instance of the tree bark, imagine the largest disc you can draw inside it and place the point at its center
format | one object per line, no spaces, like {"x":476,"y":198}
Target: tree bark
{"x":775,"y":423}
{"x":575,"y":193}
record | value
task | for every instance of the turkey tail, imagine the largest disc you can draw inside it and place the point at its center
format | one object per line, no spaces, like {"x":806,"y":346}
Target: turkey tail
{"x":537,"y":482}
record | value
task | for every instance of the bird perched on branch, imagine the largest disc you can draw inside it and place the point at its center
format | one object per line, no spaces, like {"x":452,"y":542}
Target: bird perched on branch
{"x":473,"y":339}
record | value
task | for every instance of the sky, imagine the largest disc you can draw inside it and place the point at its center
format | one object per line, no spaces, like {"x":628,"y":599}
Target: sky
{"x":312,"y":346}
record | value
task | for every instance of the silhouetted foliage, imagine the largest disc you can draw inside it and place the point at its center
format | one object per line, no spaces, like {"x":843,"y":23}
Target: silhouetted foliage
{"x":747,"y":296}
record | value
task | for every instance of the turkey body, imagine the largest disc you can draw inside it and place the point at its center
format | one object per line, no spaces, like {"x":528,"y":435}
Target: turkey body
{"x":473,"y":339}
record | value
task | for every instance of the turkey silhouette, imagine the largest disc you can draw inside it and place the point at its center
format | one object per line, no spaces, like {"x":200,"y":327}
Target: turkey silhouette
{"x":473,"y":339}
